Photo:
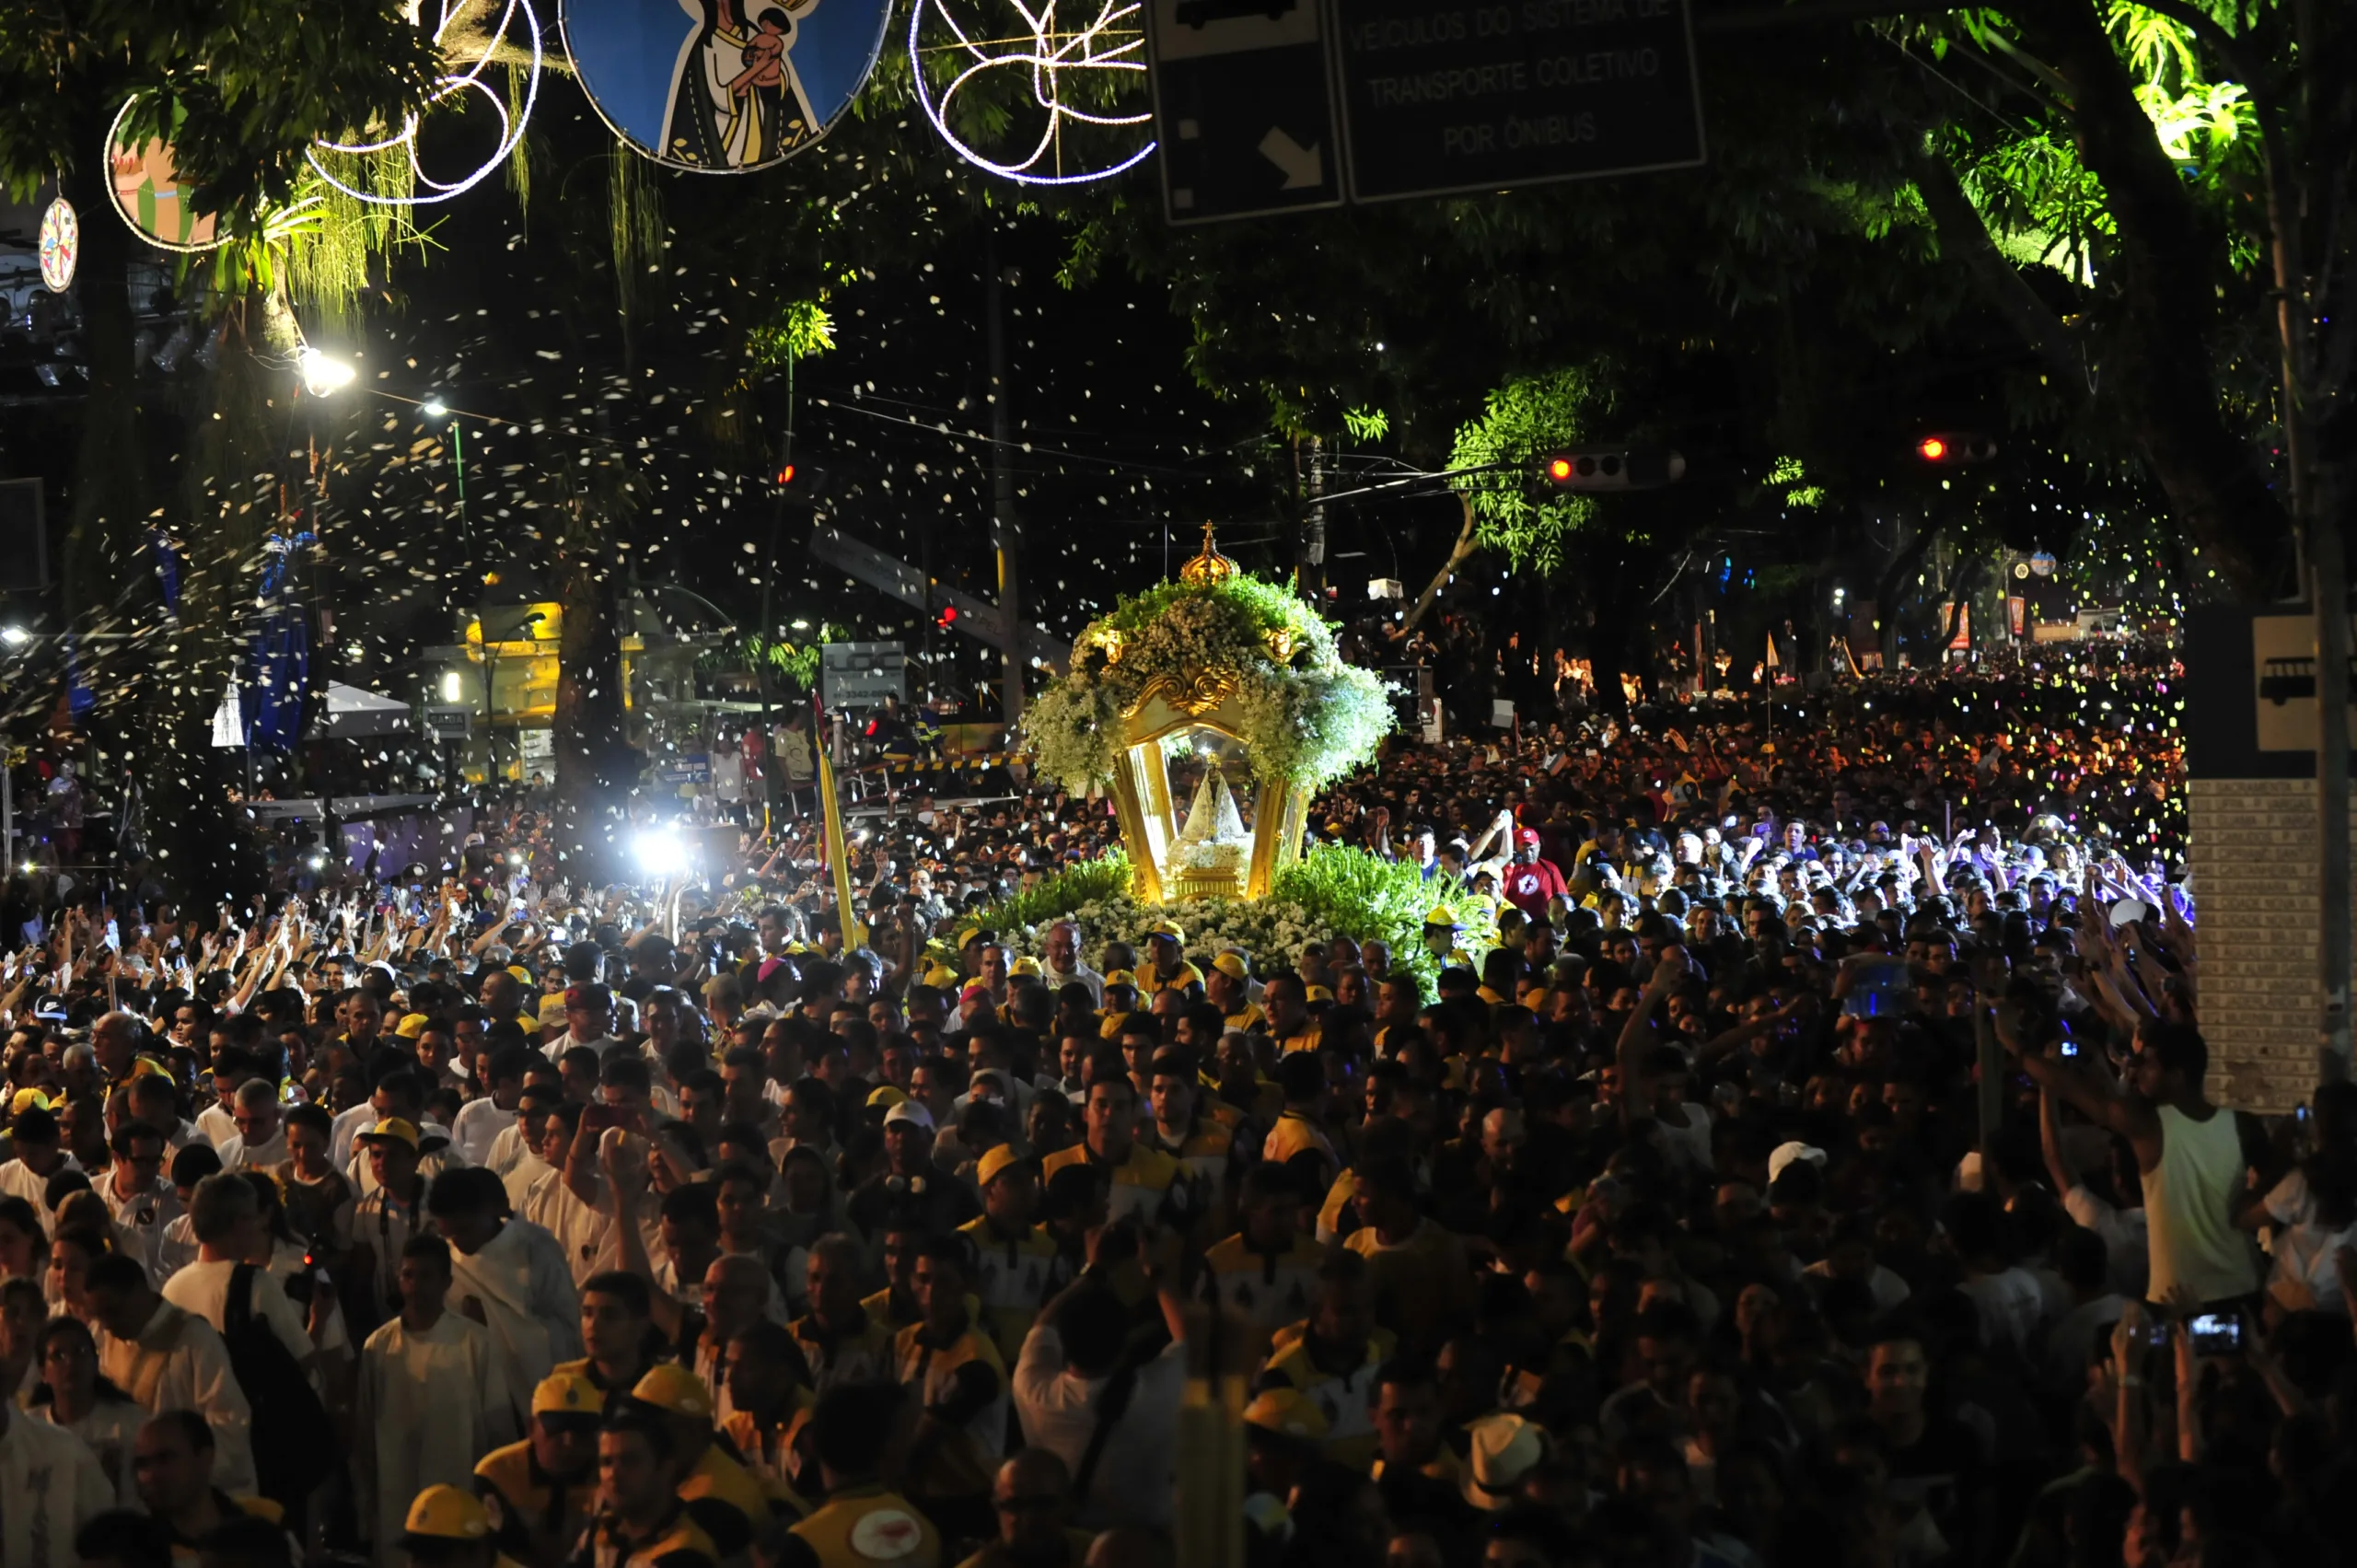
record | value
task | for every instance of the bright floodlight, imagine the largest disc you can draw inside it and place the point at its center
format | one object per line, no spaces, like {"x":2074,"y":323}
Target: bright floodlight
{"x":15,"y":636}
{"x":451,"y":690}
{"x":322,"y":374}
{"x":432,"y":407}
{"x":660,"y":854}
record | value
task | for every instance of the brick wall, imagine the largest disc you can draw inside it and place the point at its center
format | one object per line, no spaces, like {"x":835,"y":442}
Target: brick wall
{"x":2255,"y":891}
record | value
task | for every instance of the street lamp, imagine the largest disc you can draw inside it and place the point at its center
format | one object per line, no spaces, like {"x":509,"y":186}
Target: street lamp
{"x":15,"y":636}
{"x":434,"y":408}
{"x":322,"y":374}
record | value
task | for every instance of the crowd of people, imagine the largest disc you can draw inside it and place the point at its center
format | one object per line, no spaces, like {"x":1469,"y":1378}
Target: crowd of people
{"x":1815,"y":1166}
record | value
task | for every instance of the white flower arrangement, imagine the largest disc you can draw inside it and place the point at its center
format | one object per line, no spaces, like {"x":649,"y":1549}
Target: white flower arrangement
{"x":1305,"y":717}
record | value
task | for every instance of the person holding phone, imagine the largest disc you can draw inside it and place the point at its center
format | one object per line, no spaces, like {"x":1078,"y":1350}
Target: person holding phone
{"x":2194,"y":1157}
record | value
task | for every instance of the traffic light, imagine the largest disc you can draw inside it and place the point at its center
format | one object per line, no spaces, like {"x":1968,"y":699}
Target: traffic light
{"x":947,"y":619}
{"x":799,"y":480}
{"x":1955,"y":448}
{"x":1620,"y":469}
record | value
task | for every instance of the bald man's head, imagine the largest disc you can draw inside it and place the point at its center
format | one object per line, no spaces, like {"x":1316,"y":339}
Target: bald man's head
{"x":1033,"y":1496}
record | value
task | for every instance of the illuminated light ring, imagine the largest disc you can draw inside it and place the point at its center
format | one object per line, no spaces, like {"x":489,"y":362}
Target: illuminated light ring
{"x":114,"y":197}
{"x":1044,"y":63}
{"x":511,"y":127}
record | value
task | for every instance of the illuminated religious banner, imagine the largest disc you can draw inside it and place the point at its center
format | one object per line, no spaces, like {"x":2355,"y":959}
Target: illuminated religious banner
{"x":722,"y":86}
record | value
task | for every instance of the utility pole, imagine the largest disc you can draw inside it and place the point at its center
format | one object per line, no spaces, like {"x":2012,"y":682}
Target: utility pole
{"x":1313,"y":526}
{"x":1002,"y":526}
{"x":762,"y":673}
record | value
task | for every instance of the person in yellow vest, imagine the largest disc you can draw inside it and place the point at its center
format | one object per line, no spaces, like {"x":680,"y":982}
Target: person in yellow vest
{"x":1166,"y":967}
{"x":641,"y":1523}
{"x":1121,"y":999}
{"x":1228,"y":987}
{"x":1017,"y":1267}
{"x":617,"y":1329}
{"x":1286,"y":1002}
{"x":950,"y":1365}
{"x":721,"y":1496}
{"x":1266,"y":1272}
{"x":1145,"y":1184}
{"x":1332,"y":1358}
{"x":1032,"y":1498}
{"x":863,"y":1522}
{"x":1202,"y":1147}
{"x":1418,"y":1266}
{"x":769,"y":1401}
{"x":838,"y":1339}
{"x":1285,"y":1435}
{"x":1300,"y":1128}
{"x":539,"y":1493}
{"x":172,"y":1456}
{"x":447,"y":1529}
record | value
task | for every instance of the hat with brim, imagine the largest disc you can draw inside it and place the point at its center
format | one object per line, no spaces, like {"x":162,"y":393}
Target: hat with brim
{"x":1506,"y":1447}
{"x":443,"y":1514}
{"x":568,"y":1400}
{"x":395,"y":1129}
{"x":995,"y":1161}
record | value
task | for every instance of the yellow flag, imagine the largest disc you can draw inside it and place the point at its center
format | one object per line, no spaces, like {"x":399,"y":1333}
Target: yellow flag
{"x":837,"y":854}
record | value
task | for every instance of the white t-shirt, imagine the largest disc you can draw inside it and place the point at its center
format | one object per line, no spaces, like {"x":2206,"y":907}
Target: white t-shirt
{"x":237,"y":1155}
{"x":477,"y":1128}
{"x":1136,"y":1476}
{"x":203,"y":1289}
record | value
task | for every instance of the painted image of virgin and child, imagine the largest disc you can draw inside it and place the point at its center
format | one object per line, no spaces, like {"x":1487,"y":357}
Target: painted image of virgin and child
{"x":736,"y":101}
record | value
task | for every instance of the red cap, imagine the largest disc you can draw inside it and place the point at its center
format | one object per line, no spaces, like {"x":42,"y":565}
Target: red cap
{"x":1524,"y":836}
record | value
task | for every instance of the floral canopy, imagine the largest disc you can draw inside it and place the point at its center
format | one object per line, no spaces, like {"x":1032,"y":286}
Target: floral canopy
{"x":1216,"y":672}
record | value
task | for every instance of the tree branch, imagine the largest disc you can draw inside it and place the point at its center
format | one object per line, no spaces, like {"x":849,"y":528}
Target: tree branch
{"x":1963,"y":235}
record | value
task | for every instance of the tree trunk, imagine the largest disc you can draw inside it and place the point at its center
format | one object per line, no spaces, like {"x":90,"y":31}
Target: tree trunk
{"x":109,"y":496}
{"x":2158,"y":368}
{"x":1464,"y":547}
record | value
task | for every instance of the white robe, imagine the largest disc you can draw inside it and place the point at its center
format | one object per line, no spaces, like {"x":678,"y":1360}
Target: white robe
{"x":178,"y":1363}
{"x":529,"y":1302}
{"x":431,"y":1404}
{"x":109,"y":1429}
{"x":50,"y":1485}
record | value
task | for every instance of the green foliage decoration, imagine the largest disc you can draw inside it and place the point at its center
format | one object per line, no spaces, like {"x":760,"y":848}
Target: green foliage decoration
{"x":1306,"y":718}
{"x":1333,"y":889}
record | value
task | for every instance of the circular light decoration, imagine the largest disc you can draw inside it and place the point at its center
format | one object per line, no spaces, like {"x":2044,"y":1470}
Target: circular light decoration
{"x":60,"y":245}
{"x":511,"y":126}
{"x":722,"y":86}
{"x":148,"y":195}
{"x":1063,"y":125}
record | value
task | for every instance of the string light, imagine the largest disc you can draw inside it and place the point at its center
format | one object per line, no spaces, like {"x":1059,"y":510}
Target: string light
{"x":511,"y":126}
{"x":1104,"y":44}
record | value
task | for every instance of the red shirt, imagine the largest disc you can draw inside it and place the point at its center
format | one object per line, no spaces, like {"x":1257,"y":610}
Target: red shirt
{"x":1528,"y":887}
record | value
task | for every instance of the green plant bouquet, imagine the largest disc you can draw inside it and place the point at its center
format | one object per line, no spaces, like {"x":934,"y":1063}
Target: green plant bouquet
{"x":1303,"y":715}
{"x":1330,"y":890}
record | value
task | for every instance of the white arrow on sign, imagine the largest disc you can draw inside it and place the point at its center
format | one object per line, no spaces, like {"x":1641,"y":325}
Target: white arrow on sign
{"x":1302,"y":166}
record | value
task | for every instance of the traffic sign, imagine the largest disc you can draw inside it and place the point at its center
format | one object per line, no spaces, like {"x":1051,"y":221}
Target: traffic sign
{"x":1484,"y":96}
{"x":1243,"y":107}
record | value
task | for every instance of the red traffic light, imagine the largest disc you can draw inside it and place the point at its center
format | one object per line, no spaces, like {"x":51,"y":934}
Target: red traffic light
{"x":785,"y":474}
{"x":1952,"y":448}
{"x":948,"y":616}
{"x":1560,"y":469}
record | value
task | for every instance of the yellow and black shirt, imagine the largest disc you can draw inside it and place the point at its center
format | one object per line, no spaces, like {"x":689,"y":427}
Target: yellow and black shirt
{"x":865,"y":1525}
{"x":1018,"y":1274}
{"x":529,"y":1508}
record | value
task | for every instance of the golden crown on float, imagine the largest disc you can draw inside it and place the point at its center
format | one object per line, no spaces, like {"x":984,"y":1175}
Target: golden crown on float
{"x":1219,"y":689}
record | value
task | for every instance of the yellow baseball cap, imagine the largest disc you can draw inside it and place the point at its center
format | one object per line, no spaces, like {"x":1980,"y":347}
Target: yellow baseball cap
{"x":885,"y":1098}
{"x":1287,"y":1412}
{"x":1442,"y":915}
{"x":668,"y":1386}
{"x":445,"y":1513}
{"x":1231,"y":966}
{"x":28,"y":1100}
{"x":993,"y":1161}
{"x":411,"y":1026}
{"x":569,"y":1395}
{"x":1120,"y":977}
{"x":1167,"y":928}
{"x":1317,"y":993}
{"x":522,"y":974}
{"x":552,"y":1013}
{"x":941,"y":977}
{"x":391,"y":1130}
{"x":967,"y":934}
{"x":1024,"y":966}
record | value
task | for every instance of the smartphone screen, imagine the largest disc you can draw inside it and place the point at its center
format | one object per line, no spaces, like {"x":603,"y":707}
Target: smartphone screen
{"x":2215,"y":1333}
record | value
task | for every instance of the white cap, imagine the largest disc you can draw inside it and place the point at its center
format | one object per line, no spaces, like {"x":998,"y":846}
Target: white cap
{"x":1786,"y":1154}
